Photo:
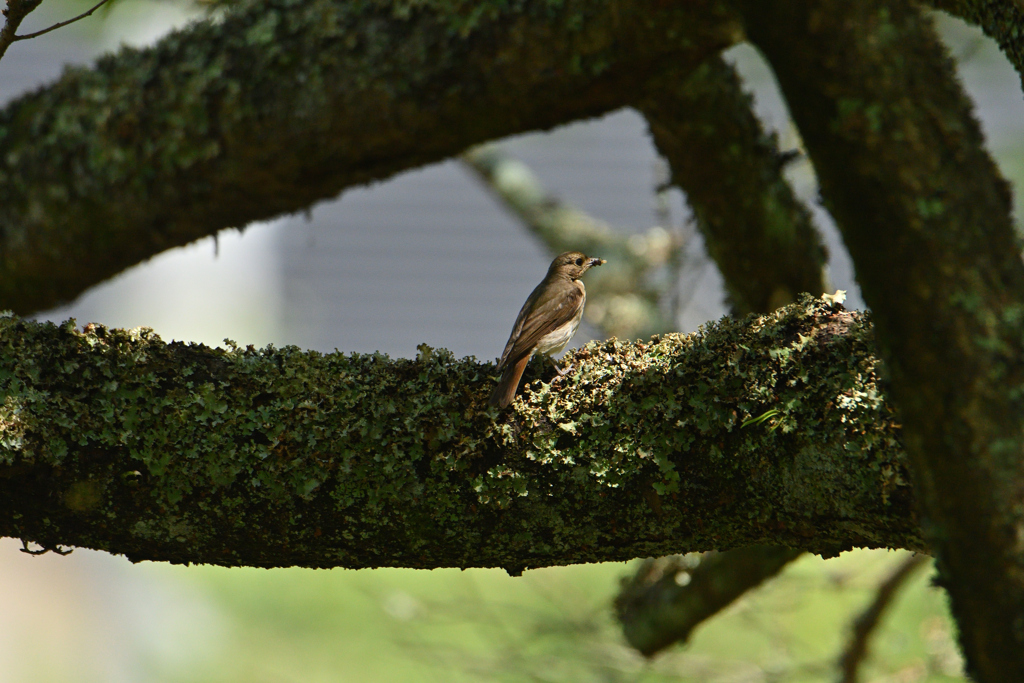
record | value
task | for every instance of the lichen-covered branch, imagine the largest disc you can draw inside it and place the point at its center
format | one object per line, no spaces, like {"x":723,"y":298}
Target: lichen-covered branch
{"x":621,"y":297}
{"x":926,"y":217}
{"x":759,"y":234}
{"x":657,"y":609}
{"x":283,"y":103}
{"x":770,"y":430}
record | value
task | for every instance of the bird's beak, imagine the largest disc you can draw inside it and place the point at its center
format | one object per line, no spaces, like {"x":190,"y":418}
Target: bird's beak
{"x":596,"y":262}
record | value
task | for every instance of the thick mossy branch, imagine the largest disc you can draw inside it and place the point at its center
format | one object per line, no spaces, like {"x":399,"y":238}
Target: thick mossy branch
{"x":287,"y":102}
{"x":770,"y":430}
{"x":757,"y":231}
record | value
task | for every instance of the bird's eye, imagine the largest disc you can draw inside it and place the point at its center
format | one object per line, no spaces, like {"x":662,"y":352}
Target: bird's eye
{"x":579,"y":262}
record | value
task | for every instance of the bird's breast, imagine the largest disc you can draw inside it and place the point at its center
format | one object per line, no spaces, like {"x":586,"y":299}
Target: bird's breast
{"x":555,"y":340}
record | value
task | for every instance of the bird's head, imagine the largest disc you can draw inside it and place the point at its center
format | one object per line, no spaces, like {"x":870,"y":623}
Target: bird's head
{"x":573,"y":264}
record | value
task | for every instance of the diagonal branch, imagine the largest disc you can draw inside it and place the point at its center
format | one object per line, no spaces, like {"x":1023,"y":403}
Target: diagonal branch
{"x":117,"y":441}
{"x":667,"y":598}
{"x":864,"y":625}
{"x":61,"y":24}
{"x":757,"y":231}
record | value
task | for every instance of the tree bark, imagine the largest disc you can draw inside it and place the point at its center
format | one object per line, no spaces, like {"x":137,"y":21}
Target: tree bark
{"x":116,"y":441}
{"x":926,"y":218}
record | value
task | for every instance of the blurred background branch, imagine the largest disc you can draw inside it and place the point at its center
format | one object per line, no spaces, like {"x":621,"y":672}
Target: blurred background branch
{"x":625,"y":297}
{"x":866,"y":623}
{"x":668,"y":597}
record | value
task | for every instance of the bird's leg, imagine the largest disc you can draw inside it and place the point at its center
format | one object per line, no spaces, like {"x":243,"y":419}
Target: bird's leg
{"x":562,"y":372}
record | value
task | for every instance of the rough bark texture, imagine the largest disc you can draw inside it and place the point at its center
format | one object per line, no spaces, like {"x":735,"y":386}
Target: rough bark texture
{"x":926,"y":218}
{"x":284,"y":103}
{"x":759,"y":234}
{"x":117,"y":441}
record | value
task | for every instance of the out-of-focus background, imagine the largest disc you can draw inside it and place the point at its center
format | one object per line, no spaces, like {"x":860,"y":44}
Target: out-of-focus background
{"x":430,"y":256}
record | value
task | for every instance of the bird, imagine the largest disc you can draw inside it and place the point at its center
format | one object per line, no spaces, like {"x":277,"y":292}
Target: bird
{"x":546,"y":322}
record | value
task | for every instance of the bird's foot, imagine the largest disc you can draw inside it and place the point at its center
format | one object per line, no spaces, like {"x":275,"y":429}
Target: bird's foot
{"x":562,"y":372}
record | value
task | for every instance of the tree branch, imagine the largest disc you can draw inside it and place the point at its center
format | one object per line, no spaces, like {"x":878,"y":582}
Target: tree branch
{"x":926,"y":218}
{"x":865,"y":624}
{"x":758,"y":232}
{"x":620,"y":298}
{"x":658,"y":609}
{"x":282,"y":104}
{"x":61,"y":24}
{"x":116,"y":441}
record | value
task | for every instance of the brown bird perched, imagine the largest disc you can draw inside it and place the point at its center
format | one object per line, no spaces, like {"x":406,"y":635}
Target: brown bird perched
{"x":546,"y":323}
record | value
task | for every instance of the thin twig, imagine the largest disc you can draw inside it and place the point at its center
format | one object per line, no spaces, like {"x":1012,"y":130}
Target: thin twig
{"x":61,"y":24}
{"x":864,"y":625}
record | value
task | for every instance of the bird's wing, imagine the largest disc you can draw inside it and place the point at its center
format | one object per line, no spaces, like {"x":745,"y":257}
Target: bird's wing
{"x":540,"y":315}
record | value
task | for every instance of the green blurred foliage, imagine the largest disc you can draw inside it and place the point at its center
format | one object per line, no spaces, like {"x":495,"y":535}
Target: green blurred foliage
{"x":552,"y":624}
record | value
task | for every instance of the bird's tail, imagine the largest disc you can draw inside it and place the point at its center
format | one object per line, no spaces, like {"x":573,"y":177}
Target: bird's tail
{"x":509,"y":382}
